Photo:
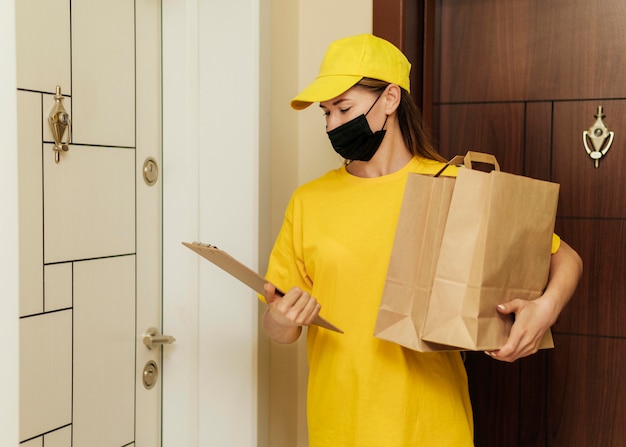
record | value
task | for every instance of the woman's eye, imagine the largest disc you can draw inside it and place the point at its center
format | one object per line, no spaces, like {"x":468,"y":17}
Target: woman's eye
{"x":344,"y":110}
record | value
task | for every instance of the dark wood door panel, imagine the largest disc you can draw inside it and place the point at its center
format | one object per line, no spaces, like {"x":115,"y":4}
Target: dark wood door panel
{"x":599,"y":305}
{"x":585,"y":190}
{"x":495,"y":50}
{"x":509,"y":400}
{"x":533,"y":394}
{"x":538,"y":144}
{"x":522,"y":79}
{"x":497,"y":129}
{"x":587,"y":392}
{"x":510,"y":75}
{"x":490,"y":381}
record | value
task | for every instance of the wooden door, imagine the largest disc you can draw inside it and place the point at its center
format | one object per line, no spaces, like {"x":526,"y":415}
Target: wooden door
{"x":90,"y":227}
{"x":523,"y":79}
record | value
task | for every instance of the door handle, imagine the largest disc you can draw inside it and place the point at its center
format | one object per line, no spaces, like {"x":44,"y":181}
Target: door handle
{"x":153,"y":338}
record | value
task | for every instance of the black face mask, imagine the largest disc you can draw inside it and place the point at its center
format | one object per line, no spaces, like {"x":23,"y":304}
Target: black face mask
{"x":355,"y":140}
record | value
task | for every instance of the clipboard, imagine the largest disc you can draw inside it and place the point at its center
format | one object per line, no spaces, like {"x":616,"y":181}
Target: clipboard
{"x":244,"y":274}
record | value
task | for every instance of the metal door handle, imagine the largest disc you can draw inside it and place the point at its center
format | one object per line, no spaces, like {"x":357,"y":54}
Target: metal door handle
{"x":153,"y":338}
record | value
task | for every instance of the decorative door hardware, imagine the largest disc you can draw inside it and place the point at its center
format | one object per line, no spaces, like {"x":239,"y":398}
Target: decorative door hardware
{"x":60,"y":121}
{"x":601,"y":138}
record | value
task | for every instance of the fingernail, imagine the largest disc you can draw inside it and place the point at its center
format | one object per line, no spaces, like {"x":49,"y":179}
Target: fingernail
{"x":501,"y":307}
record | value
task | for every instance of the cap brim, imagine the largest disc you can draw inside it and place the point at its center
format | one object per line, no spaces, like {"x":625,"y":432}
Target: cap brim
{"x":323,"y":89}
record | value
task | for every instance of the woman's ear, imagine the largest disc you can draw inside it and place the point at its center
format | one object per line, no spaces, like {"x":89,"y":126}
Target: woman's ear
{"x":392,"y":98}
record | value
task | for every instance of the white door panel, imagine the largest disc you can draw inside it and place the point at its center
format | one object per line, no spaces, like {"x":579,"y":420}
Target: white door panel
{"x":58,"y":284}
{"x":104,"y":351}
{"x":37,"y":442}
{"x":90,"y":227}
{"x":58,"y":438}
{"x":45,"y":373}
{"x":96,"y":216}
{"x":43,"y":44}
{"x":103,"y":72}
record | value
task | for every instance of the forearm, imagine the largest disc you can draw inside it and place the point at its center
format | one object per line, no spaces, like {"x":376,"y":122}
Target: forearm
{"x":565,"y":271}
{"x":278,"y":332}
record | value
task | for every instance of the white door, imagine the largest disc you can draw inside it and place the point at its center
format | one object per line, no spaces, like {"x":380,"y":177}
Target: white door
{"x":90,"y":226}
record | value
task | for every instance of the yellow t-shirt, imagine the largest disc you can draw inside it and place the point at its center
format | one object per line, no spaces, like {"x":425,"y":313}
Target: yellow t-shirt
{"x":336,"y":242}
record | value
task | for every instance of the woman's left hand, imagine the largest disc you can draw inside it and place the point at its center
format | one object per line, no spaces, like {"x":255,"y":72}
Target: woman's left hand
{"x":532,"y":321}
{"x":534,"y":318}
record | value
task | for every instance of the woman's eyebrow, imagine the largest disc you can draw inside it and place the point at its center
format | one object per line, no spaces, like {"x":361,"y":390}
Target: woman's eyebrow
{"x":336,"y":103}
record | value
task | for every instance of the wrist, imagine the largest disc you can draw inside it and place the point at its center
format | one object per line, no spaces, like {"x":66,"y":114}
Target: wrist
{"x":551,"y":305}
{"x":279,"y":329}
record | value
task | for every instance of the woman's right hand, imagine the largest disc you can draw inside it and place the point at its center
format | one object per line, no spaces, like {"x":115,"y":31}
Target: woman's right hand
{"x":287,"y":314}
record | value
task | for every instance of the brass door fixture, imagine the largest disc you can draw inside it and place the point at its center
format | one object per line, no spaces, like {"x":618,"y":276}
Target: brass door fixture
{"x":601,"y":139}
{"x":153,"y":338}
{"x":150,"y":374}
{"x":60,"y":121}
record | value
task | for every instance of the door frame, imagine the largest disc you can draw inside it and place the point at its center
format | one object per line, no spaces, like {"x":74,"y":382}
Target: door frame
{"x":9,"y":373}
{"x":411,"y":27}
{"x":211,"y":193}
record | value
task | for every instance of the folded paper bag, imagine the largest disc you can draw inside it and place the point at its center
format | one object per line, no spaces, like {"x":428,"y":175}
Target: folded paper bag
{"x":407,"y":299}
{"x":411,"y":270}
{"x":496,"y":247}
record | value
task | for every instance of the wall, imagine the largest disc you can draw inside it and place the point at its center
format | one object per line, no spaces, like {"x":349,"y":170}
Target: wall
{"x":300,"y":33}
{"x":8,"y":230}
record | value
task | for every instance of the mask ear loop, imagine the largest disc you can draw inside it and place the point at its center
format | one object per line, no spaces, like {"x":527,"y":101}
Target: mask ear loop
{"x":369,"y":110}
{"x":386,"y":118}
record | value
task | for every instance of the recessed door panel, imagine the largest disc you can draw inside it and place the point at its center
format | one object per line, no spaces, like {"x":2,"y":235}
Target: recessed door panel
{"x":96,"y":216}
{"x":103,"y":72}
{"x":104,"y":351}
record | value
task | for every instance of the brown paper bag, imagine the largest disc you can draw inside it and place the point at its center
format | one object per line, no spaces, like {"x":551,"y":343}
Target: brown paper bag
{"x":495,"y":247}
{"x":412,"y":265}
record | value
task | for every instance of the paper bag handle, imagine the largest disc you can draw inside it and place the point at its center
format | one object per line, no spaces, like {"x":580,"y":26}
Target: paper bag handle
{"x":469,"y":158}
{"x":480,"y":157}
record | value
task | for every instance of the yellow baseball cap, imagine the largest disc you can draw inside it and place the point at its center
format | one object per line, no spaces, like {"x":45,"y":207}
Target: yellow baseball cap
{"x":351,"y":59}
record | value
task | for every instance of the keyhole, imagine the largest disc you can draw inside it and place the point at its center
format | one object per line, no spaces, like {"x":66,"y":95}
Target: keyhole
{"x":150,"y":374}
{"x":150,"y":171}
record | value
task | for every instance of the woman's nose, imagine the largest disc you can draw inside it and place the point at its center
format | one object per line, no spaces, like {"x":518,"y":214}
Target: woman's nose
{"x":332,"y":121}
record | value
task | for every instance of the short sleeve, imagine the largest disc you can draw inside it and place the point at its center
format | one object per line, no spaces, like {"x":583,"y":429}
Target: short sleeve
{"x":556,"y":243}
